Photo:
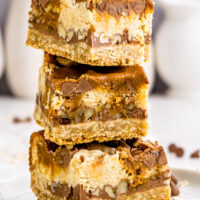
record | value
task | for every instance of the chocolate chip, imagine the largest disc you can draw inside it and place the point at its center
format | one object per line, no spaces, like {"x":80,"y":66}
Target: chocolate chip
{"x":174,"y":179}
{"x":172,"y":148}
{"x":179,"y":152}
{"x":196,"y":154}
{"x":83,"y":86}
{"x":162,"y":159}
{"x":68,"y":88}
{"x":174,"y":189}
{"x":17,"y":120}
{"x":60,"y":190}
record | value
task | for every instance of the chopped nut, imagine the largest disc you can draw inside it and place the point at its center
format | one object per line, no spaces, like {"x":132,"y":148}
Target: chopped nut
{"x":109,"y":191}
{"x":166,"y":174}
{"x":103,"y":39}
{"x":89,"y":112}
{"x":77,"y":119}
{"x":117,"y":39}
{"x":70,"y":35}
{"x":154,"y":177}
{"x":124,"y":14}
{"x":124,"y":154}
{"x":122,"y":187}
{"x":96,"y":117}
{"x":81,"y":35}
{"x":112,"y":151}
{"x":61,"y":31}
{"x":80,"y":112}
{"x":108,"y":106}
{"x":131,"y":107}
{"x":96,"y":192}
{"x":166,"y":182}
{"x":53,"y":186}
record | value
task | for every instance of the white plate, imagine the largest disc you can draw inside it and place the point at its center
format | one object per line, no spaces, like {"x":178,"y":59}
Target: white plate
{"x":20,"y":190}
{"x":191,"y":180}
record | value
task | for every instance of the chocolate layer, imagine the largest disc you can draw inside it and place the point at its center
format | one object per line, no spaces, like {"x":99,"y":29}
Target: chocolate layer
{"x":115,"y":8}
{"x":78,"y":193}
{"x":72,"y":78}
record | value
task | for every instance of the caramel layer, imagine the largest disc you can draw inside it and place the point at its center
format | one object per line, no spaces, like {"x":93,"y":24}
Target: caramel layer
{"x":115,"y":8}
{"x":72,"y":78}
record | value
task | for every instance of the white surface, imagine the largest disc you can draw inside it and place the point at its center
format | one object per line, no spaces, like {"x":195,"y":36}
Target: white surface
{"x":178,"y":46}
{"x":22,"y":62}
{"x":171,"y":120}
{"x":190,"y":182}
{"x":176,"y":121}
{"x":14,"y":138}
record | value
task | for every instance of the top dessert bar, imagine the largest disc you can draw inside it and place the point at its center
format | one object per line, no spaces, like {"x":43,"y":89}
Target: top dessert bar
{"x":93,"y":32}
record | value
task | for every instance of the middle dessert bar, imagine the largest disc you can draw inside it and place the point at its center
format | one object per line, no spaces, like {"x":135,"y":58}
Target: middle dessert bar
{"x":77,"y":104}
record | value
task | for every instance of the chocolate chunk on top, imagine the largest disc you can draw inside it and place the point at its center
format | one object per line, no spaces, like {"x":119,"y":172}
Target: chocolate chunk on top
{"x":195,"y":154}
{"x":177,"y":150}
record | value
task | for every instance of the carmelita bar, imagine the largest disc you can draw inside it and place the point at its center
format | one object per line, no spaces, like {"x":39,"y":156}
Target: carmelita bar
{"x":121,"y":170}
{"x":78,"y":104}
{"x":94,"y":32}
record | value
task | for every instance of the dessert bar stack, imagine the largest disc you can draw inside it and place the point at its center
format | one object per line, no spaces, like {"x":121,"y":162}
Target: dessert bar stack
{"x":92,"y":102}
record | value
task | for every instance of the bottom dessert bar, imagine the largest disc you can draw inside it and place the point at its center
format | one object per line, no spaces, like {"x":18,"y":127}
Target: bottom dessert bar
{"x":122,"y":170}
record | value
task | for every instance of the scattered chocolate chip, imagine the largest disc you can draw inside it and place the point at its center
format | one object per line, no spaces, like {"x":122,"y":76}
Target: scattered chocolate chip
{"x":196,"y":154}
{"x":174,"y":189}
{"x":82,"y":158}
{"x":17,"y":120}
{"x":174,"y":179}
{"x":172,"y":148}
{"x":177,"y":150}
